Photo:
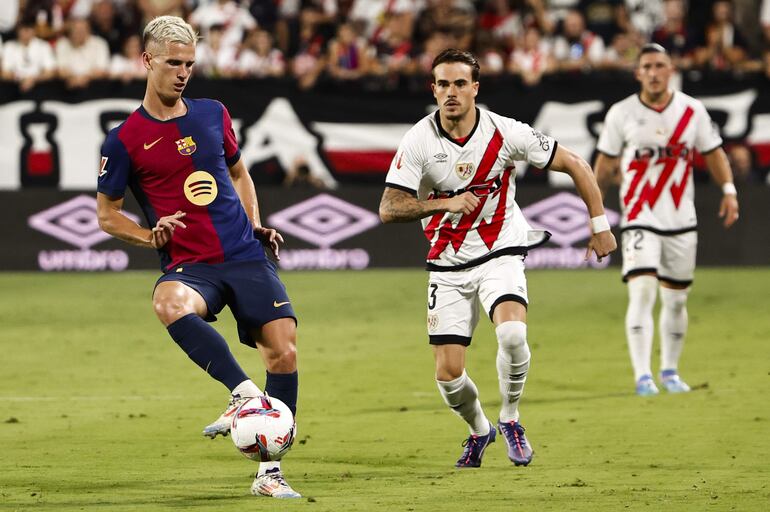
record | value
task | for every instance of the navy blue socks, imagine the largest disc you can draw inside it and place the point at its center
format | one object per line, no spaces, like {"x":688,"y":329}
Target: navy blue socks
{"x":283,"y":386}
{"x":209,"y":350}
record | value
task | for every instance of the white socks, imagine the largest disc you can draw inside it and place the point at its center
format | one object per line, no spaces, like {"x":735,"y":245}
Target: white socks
{"x":673,"y":326}
{"x":512,"y":366}
{"x":247,"y":388}
{"x":462,"y":396}
{"x":639,"y":322}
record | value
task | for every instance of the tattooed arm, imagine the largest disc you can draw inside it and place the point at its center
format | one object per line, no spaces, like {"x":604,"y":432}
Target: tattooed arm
{"x":401,"y":206}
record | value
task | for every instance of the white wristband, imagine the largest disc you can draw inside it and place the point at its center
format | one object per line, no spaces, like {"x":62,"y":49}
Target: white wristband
{"x":729,"y":189}
{"x":599,"y":224}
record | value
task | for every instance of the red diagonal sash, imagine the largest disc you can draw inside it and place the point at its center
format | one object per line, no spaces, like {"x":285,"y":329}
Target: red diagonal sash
{"x":651,"y":193}
{"x":456,"y":235}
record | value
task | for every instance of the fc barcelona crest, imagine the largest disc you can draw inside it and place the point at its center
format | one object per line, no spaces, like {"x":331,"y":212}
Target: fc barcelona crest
{"x":186,"y":146}
{"x":464,"y":170}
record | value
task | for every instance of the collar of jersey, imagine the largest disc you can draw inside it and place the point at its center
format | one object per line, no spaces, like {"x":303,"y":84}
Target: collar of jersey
{"x":670,"y":101}
{"x":173,"y":119}
{"x":449,"y":137}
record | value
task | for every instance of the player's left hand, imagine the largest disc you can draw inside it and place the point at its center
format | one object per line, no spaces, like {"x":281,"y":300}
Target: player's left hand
{"x":728,"y":209}
{"x":271,"y":238}
{"x":602,"y":244}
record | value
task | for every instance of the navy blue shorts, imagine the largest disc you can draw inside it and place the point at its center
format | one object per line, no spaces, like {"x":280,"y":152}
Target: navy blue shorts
{"x":251,"y":289}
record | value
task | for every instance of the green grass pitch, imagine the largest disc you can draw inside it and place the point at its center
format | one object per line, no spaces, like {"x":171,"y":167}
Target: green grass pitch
{"x":99,"y":410}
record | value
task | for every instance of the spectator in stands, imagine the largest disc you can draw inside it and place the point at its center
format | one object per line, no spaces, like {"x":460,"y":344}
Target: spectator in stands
{"x":259,"y":57}
{"x":723,"y":46}
{"x":371,"y":17}
{"x":491,"y":55}
{"x":394,"y":44}
{"x":577,"y":49}
{"x":81,"y":56}
{"x":9,"y":15}
{"x":128,"y":64}
{"x":27,"y":60}
{"x":605,"y":18}
{"x":212,"y":58}
{"x":310,"y":60}
{"x":106,"y":24}
{"x":764,"y":20}
{"x":350,"y":57}
{"x":235,"y":20}
{"x":153,"y":8}
{"x":532,"y":58}
{"x":645,"y":16}
{"x":743,"y":162}
{"x":436,"y":43}
{"x":673,"y":34}
{"x":623,"y":52}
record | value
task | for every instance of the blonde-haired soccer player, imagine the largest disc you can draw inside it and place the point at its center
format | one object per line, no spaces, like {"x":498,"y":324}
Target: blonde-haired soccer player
{"x":181,"y":160}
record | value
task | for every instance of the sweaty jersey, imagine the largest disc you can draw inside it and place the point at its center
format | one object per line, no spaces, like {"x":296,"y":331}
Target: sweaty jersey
{"x":431,"y":164}
{"x":656,"y":150}
{"x":182,"y":164}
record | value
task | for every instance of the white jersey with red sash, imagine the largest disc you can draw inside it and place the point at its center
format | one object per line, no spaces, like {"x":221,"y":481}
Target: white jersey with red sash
{"x":656,"y":149}
{"x":431,"y":164}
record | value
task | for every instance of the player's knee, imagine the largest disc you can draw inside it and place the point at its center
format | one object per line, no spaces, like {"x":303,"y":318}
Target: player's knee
{"x":673,"y":299}
{"x":281,"y":359}
{"x":642,"y":290}
{"x":512,"y":335}
{"x":169,"y":310}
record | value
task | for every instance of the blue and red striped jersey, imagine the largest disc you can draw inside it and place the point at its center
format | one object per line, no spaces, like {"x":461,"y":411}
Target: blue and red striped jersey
{"x":182,"y":164}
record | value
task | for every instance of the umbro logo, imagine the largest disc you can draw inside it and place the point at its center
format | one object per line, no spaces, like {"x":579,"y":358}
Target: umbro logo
{"x":440,"y":157}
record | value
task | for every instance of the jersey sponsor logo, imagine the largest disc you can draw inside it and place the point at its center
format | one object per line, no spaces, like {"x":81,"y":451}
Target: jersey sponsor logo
{"x":200,"y":188}
{"x":545,"y":145}
{"x":151,"y":144}
{"x":186,"y":146}
{"x":651,"y":192}
{"x":103,"y":166}
{"x":464,"y":170}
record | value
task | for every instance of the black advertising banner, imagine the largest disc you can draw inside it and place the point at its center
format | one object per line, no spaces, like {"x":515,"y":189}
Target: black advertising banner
{"x":340,"y":133}
{"x":50,"y":230}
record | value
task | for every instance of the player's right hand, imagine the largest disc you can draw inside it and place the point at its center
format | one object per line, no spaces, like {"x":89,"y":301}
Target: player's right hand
{"x":463,"y":203}
{"x":164,"y":229}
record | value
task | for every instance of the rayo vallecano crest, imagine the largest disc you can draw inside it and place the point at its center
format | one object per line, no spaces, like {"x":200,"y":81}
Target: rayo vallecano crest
{"x":186,"y":146}
{"x":464,"y":170}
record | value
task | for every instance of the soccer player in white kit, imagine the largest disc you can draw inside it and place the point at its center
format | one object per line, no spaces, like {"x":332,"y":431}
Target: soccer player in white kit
{"x":649,"y":140}
{"x":454,"y":170}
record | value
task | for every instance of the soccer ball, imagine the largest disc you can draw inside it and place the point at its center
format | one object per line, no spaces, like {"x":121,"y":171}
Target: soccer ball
{"x":263,"y":429}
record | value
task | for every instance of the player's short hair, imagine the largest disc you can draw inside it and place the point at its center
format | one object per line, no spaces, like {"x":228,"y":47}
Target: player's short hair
{"x":169,"y":29}
{"x":454,"y":55}
{"x":652,"y":48}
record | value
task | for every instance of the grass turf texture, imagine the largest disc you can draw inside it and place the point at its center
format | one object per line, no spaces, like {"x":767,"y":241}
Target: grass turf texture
{"x":99,"y":409}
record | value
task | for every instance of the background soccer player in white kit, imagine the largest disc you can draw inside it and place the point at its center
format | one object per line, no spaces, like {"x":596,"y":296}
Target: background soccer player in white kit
{"x":454,"y":170}
{"x":650,"y":138}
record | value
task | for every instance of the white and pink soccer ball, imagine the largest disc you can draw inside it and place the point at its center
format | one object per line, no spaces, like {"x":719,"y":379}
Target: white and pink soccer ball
{"x":263,"y":429}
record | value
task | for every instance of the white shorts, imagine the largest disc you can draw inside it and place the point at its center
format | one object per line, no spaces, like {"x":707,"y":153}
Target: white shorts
{"x":670,"y":257}
{"x":454,"y":297}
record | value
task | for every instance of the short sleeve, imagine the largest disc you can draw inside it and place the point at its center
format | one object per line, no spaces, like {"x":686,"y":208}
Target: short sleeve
{"x":405,"y":171}
{"x":526,"y":143}
{"x":611,"y":139}
{"x":114,"y":168}
{"x":707,"y":136}
{"x":232,"y":152}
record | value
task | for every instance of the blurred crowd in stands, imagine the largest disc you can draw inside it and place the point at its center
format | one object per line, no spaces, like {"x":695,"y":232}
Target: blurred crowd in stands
{"x":81,"y":40}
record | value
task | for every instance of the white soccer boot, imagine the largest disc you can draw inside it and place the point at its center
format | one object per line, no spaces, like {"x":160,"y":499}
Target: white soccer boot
{"x":274,"y":485}
{"x":221,"y":425}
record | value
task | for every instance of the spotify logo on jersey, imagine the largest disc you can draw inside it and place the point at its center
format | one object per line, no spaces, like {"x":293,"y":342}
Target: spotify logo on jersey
{"x":200,"y":188}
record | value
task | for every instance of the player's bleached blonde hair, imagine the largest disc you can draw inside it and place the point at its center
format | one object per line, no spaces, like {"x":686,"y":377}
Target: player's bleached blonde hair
{"x":169,"y":29}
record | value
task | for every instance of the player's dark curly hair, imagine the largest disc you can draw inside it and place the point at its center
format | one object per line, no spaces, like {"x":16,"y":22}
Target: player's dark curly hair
{"x":454,"y":55}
